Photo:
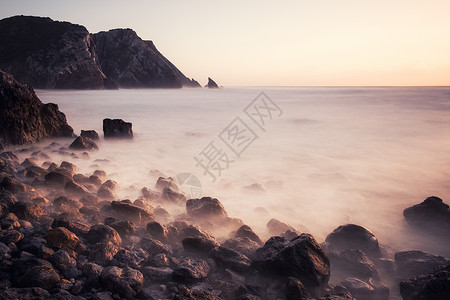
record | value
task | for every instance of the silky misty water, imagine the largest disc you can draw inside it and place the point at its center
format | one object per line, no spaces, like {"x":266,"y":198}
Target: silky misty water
{"x":334,"y":155}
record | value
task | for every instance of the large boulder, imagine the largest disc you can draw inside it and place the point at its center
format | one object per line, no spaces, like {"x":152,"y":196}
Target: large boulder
{"x":432,"y":216}
{"x":49,"y":54}
{"x":351,"y":263}
{"x":131,"y":212}
{"x":117,"y":128}
{"x":205,"y":208}
{"x":434,"y":286}
{"x":191,"y":270}
{"x":132,"y":62}
{"x":363,"y":290}
{"x":23,"y":117}
{"x":351,"y":236}
{"x":34,"y":272}
{"x":83,"y":143}
{"x":301,"y":257}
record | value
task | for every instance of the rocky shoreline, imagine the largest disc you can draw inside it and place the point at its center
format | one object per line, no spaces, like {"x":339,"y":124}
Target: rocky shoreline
{"x":65,"y":235}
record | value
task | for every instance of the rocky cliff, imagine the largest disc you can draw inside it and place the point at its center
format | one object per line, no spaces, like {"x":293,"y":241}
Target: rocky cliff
{"x":133,"y":62}
{"x":59,"y":55}
{"x":49,"y":54}
{"x":24,"y":118}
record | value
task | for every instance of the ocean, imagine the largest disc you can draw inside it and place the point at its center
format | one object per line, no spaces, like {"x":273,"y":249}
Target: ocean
{"x":312,"y":157}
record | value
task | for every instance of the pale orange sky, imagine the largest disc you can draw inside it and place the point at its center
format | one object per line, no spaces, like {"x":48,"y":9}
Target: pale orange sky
{"x":287,"y":43}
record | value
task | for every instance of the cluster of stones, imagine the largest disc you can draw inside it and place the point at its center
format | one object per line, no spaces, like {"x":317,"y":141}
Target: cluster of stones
{"x":66,"y":235}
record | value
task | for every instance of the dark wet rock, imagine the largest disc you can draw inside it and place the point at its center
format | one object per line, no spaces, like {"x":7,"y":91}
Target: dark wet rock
{"x":412,"y":263}
{"x":211,"y":84}
{"x":95,"y":180}
{"x":202,"y":245}
{"x":351,"y":236}
{"x":157,"y":231}
{"x":245,"y":246}
{"x":106,"y":193}
{"x":229,"y":259}
{"x":62,"y":238}
{"x":89,"y":200}
{"x":13,"y":185}
{"x":160,"y":260}
{"x":339,"y":292}
{"x":35,"y":172}
{"x":351,"y":263}
{"x":102,"y":253}
{"x":131,"y":212}
{"x":435,"y":285}
{"x":83,"y":143}
{"x":92,"y":134}
{"x":246,"y":232}
{"x":23,"y":117}
{"x":34,"y":293}
{"x":149,"y":194}
{"x":124,"y":228}
{"x":127,"y":282}
{"x":28,"y":211}
{"x":57,"y":179}
{"x":69,"y":167}
{"x":157,"y":274}
{"x":289,"y":288}
{"x":62,"y":261}
{"x":129,"y":258}
{"x":198,"y":293}
{"x":103,"y":234}
{"x":191,"y":270}
{"x":173,"y":196}
{"x":75,"y":189}
{"x":205,"y":208}
{"x":28,"y":162}
{"x":301,"y":257}
{"x":8,"y":236}
{"x":154,"y":247}
{"x":36,"y":246}
{"x":117,"y":128}
{"x":34,"y":272}
{"x":362,"y":290}
{"x":76,"y":227}
{"x":163,"y":183}
{"x":249,"y":292}
{"x":64,"y":204}
{"x":91,"y":269}
{"x":132,"y":62}
{"x":277,"y":228}
{"x":431,"y":216}
{"x":80,"y":178}
{"x":111,"y":184}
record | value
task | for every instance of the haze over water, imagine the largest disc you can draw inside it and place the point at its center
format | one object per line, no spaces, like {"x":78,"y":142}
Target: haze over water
{"x":335,"y":155}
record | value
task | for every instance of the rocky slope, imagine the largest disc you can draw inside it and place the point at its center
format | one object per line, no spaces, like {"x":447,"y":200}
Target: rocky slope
{"x":133,"y":62}
{"x":24,"y":118}
{"x":59,"y":55}
{"x":49,"y":54}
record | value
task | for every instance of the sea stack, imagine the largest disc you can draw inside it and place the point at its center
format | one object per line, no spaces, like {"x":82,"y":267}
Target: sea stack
{"x":212,"y":84}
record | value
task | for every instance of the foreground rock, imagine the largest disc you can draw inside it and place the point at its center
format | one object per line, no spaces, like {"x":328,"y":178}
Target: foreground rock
{"x":431,"y":216}
{"x":49,"y":54}
{"x":127,"y":282}
{"x":434,"y":286}
{"x":117,"y":128}
{"x":132,"y":62}
{"x":83,"y":143}
{"x":24,"y":118}
{"x":351,"y":236}
{"x":302,"y":258}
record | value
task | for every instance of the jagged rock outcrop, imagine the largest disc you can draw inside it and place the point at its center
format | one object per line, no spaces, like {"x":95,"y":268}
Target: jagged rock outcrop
{"x":24,"y":118}
{"x":49,"y":54}
{"x":211,"y":84}
{"x":133,"y":62}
